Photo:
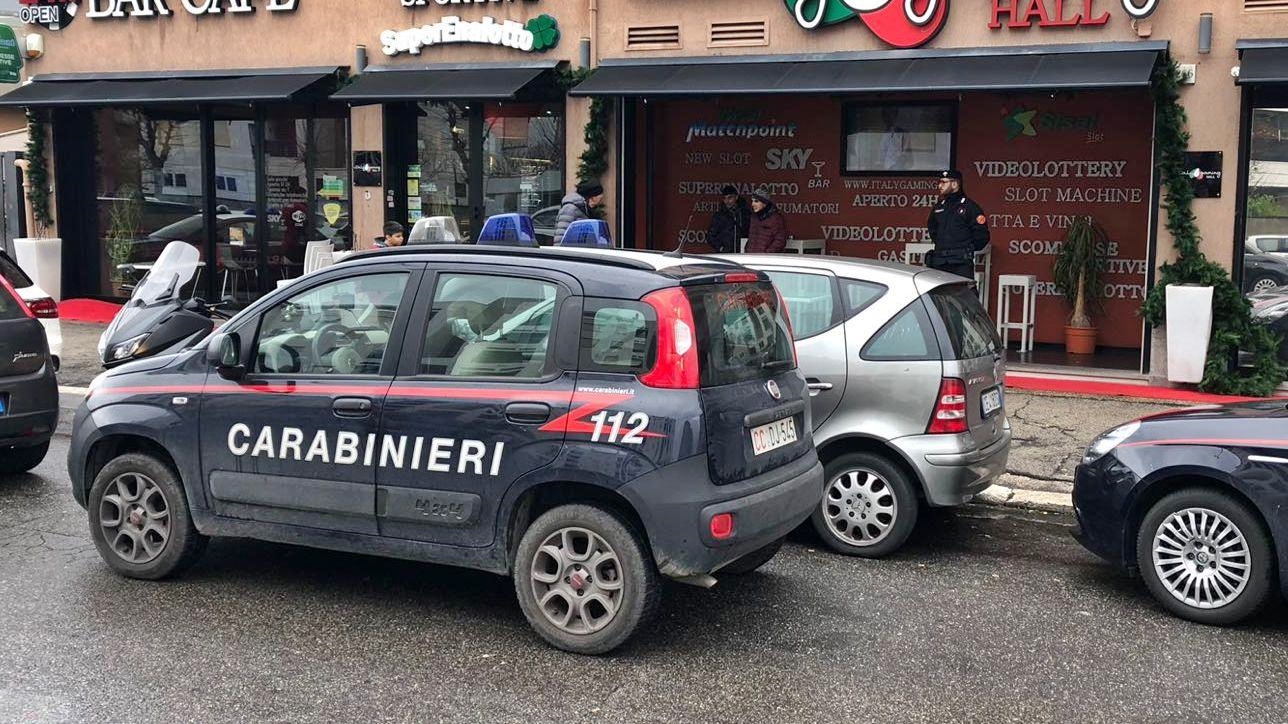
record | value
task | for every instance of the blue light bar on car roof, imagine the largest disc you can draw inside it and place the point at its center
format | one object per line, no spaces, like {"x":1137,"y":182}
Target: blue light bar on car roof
{"x":508,"y":230}
{"x":587,"y":232}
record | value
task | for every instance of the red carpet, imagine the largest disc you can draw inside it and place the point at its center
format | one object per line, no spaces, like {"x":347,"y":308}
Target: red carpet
{"x":87,"y":310}
{"x":1100,"y":388}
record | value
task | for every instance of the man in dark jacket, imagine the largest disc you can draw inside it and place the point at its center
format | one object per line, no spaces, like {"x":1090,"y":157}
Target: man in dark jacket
{"x":577,"y":206}
{"x":958,"y":228}
{"x":768,"y":231}
{"x":730,"y":223}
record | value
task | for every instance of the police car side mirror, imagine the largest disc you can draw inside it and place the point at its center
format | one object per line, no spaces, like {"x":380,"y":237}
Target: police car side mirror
{"x":224,"y":352}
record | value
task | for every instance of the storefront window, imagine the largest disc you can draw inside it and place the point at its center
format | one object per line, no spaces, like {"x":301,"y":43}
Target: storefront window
{"x":1265,"y":248}
{"x":149,"y":191}
{"x":438,"y":181}
{"x":235,"y":240}
{"x":898,"y":138}
{"x":307,"y":190}
{"x":523,"y":164}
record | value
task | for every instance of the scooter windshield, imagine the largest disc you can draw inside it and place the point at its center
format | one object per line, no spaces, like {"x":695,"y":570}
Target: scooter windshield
{"x":176,"y":266}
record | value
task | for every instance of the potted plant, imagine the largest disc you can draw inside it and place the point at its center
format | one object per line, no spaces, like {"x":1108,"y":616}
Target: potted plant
{"x":38,"y":255}
{"x":1077,"y":276}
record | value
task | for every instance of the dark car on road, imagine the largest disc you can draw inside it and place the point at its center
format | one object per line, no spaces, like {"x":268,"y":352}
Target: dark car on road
{"x":1196,"y":501}
{"x":582,"y":420}
{"x":28,"y":389}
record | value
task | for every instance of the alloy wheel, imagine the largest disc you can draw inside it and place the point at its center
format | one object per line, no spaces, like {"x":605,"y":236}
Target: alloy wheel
{"x":1201,"y":558}
{"x":577,"y":580}
{"x":860,"y":507}
{"x":135,"y":518}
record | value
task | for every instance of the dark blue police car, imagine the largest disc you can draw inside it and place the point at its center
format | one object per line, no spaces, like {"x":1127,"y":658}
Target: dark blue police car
{"x":1197,"y":502}
{"x":583,"y":420}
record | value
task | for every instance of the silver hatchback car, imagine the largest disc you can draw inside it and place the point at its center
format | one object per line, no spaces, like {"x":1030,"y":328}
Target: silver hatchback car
{"x":906,"y":375}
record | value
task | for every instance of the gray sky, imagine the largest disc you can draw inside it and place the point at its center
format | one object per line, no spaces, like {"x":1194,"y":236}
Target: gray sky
{"x":9,"y":6}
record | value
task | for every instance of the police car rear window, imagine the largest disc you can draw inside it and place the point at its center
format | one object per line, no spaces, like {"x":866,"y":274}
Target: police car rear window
{"x":742,"y":334}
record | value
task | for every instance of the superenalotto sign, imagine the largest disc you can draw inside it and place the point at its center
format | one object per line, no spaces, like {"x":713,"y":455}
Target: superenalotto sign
{"x":537,"y":35}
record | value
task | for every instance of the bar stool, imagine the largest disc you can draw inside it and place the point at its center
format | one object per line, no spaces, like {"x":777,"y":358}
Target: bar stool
{"x":1027,"y":284}
{"x":982,"y":276}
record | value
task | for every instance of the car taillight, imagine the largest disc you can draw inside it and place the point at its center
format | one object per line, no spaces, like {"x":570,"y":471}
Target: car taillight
{"x":949,"y":416}
{"x":740,"y":277}
{"x":677,"y":349}
{"x":44,"y":308}
{"x":14,"y":293}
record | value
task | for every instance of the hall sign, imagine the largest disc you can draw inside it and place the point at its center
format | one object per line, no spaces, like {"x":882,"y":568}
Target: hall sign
{"x":900,"y":23}
{"x":536,"y":36}
{"x":1061,"y":13}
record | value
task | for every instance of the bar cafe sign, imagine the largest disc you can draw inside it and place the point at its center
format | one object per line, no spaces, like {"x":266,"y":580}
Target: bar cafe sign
{"x":56,"y":14}
{"x":536,"y":36}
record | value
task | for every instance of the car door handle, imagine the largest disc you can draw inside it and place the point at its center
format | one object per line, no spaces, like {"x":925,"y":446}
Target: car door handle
{"x":816,"y":387}
{"x":351,"y":407}
{"x":527,"y":413}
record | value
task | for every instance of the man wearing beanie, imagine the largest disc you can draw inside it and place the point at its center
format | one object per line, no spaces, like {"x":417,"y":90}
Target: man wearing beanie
{"x":577,"y":206}
{"x":768,"y":232}
{"x":730,"y":223}
{"x":958,"y":228}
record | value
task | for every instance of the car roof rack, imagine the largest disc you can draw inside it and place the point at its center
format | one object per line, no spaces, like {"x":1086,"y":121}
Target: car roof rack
{"x":624,"y":258}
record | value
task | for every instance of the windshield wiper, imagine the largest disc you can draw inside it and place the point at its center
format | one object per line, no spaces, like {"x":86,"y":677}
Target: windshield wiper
{"x":777,"y":364}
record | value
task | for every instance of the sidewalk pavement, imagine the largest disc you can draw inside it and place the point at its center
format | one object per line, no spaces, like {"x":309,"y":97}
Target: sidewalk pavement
{"x":1051,"y":430}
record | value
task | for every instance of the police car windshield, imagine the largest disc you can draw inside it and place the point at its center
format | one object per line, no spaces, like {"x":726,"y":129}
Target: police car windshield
{"x":176,"y":266}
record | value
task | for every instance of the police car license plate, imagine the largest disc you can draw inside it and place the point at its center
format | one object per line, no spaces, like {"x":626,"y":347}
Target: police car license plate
{"x":773,"y":436}
{"x":991,"y":401}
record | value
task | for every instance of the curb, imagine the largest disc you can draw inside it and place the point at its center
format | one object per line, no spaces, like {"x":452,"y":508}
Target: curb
{"x":1002,"y":496}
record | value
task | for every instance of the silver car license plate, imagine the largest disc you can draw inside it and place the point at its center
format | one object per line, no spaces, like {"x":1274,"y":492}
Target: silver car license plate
{"x":773,"y":436}
{"x":990,"y":401}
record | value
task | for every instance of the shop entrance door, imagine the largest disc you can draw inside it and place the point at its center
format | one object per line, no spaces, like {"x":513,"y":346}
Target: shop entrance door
{"x":470,"y":160}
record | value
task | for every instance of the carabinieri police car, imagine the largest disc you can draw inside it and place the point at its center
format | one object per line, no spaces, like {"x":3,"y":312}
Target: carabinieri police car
{"x":583,"y":420}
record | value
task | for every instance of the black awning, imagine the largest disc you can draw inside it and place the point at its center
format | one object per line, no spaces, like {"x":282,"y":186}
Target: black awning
{"x":443,"y":82}
{"x":154,"y":89}
{"x":1125,"y":65}
{"x":1264,"y":65}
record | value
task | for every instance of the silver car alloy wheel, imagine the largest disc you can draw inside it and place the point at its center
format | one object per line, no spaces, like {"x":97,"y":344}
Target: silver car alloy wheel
{"x":577,"y":580}
{"x":135,"y":518}
{"x":1264,"y":285}
{"x":860,"y":507}
{"x":1201,"y":558}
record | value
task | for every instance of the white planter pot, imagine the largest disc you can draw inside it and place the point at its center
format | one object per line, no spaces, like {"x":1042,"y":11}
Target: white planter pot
{"x":42,"y":259}
{"x":1189,"y":326}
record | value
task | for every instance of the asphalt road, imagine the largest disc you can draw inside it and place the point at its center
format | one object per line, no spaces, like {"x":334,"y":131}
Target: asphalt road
{"x":987,"y":615}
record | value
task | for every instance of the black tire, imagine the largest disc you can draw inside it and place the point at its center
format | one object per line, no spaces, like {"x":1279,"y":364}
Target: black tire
{"x":1258,"y":556}
{"x":21,"y":459}
{"x":640,"y":585}
{"x":752,"y":560}
{"x":894,"y":484}
{"x":182,"y":546}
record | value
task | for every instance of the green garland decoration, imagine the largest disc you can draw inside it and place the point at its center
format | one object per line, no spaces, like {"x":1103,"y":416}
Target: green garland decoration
{"x":1232,"y":325}
{"x":593,"y":162}
{"x":38,"y":171}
